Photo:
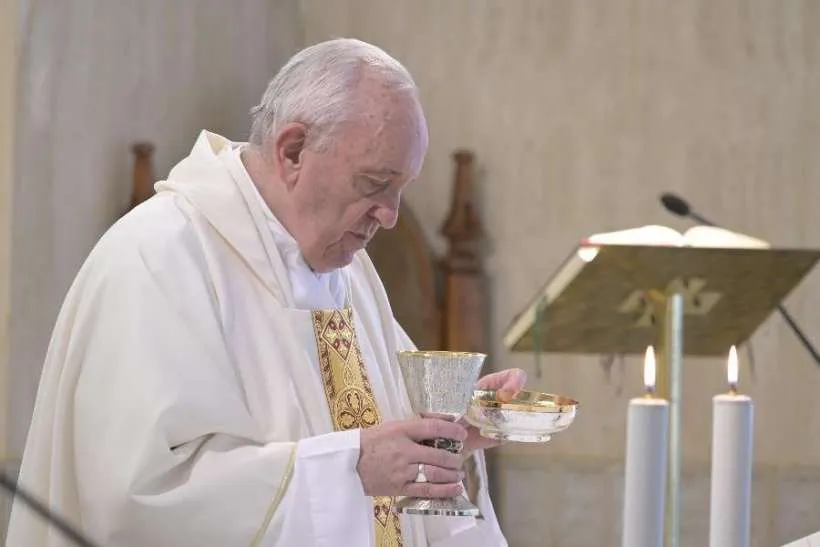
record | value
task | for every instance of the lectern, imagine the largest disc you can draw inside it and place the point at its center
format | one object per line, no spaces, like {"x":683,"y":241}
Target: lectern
{"x":687,"y":301}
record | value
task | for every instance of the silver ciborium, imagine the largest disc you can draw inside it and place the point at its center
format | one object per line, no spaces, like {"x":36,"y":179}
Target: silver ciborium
{"x":529,"y":417}
{"x":440,"y":384}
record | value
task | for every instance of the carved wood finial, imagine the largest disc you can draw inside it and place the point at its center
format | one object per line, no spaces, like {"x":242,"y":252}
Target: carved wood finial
{"x":463,"y":227}
{"x":464,"y":293}
{"x":142,"y":186}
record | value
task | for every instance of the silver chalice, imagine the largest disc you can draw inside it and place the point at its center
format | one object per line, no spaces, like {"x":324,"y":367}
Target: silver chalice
{"x":440,"y":384}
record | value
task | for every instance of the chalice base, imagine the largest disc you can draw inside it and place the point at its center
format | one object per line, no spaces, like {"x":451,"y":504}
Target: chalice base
{"x":447,"y":507}
{"x":515,"y":437}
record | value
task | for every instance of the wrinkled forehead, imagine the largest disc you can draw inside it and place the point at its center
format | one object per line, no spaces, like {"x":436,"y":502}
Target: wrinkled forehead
{"x":389,"y":131}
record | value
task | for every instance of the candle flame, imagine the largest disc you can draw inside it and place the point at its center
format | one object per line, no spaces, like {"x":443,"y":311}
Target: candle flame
{"x":732,"y":367}
{"x":649,"y":369}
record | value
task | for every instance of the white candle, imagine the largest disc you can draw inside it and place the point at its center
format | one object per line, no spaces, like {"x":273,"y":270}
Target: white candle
{"x":646,"y":453}
{"x":732,"y":434}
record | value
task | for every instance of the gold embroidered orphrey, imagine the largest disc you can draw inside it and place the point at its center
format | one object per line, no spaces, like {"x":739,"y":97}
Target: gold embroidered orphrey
{"x":350,"y":399}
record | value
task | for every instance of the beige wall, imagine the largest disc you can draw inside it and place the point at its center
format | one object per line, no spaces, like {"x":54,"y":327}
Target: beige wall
{"x":95,"y":76}
{"x":581,"y":114}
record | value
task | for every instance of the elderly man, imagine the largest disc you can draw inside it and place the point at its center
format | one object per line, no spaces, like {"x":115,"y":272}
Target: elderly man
{"x":190,"y":393}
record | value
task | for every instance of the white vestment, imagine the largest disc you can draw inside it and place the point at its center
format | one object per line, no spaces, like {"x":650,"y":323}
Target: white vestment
{"x":181,"y":402}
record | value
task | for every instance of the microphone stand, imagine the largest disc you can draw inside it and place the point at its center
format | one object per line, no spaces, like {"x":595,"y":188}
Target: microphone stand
{"x":12,"y":487}
{"x":799,"y":333}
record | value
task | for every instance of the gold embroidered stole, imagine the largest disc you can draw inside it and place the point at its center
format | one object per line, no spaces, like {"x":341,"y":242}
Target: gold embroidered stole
{"x":350,"y":399}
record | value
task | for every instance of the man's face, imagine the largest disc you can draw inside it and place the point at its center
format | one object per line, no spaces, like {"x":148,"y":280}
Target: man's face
{"x":345,"y":192}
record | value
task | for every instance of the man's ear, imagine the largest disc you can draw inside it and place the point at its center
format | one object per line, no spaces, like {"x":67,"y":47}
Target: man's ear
{"x":288,"y":148}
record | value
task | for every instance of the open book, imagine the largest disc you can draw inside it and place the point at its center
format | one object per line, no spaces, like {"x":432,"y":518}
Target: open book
{"x":697,"y":236}
{"x":589,"y":247}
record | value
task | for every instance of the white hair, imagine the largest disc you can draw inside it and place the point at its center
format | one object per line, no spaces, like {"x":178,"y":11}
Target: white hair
{"x":317,"y":84}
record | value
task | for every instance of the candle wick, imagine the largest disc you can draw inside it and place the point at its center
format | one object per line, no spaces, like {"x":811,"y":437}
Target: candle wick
{"x":733,"y":388}
{"x":649,"y":392}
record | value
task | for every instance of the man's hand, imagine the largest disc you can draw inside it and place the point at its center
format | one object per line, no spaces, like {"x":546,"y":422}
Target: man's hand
{"x":507,"y":383}
{"x":390,"y":455}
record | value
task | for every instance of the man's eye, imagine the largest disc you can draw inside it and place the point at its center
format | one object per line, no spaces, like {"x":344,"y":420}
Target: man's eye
{"x":375,"y":186}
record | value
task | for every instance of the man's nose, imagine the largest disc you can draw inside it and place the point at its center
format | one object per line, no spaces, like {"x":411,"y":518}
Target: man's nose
{"x":387,"y":215}
{"x":387,"y":210}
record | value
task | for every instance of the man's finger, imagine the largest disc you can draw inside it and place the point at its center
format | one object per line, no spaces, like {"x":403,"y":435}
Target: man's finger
{"x":432,"y":490}
{"x":480,"y":443}
{"x":431,"y":428}
{"x":436,"y":457}
{"x":439,"y":475}
{"x":507,"y":383}
{"x":511,"y":377}
{"x":433,"y":415}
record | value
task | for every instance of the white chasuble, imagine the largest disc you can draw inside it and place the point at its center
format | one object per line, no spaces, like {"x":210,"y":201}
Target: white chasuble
{"x":182,"y":401}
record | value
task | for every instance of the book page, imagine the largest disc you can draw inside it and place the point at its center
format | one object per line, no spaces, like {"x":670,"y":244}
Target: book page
{"x":652,"y":234}
{"x":712,"y":236}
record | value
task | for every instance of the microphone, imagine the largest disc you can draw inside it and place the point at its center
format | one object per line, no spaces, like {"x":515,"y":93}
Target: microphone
{"x":16,"y":492}
{"x":680,"y":207}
